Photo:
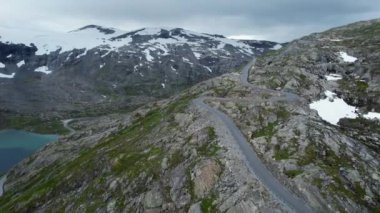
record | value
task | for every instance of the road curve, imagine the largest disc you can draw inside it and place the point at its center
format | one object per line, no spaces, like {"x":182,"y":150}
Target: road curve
{"x":66,"y":125}
{"x":254,"y":163}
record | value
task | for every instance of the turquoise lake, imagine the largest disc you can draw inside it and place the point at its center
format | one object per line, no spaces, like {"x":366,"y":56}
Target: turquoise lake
{"x":16,"y":145}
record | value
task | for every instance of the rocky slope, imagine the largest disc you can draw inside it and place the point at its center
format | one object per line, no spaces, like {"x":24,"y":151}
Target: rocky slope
{"x":173,"y":156}
{"x":167,"y":156}
{"x":334,"y":165}
{"x":96,"y":69}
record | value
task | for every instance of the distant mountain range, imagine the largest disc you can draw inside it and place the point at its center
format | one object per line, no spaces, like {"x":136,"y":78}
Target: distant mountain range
{"x":101,"y":68}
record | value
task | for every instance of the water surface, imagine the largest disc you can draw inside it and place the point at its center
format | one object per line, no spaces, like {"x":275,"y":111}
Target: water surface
{"x":16,"y":145}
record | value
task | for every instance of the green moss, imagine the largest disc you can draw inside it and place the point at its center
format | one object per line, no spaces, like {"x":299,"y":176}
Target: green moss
{"x":207,"y":205}
{"x":210,"y":148}
{"x":331,"y":164}
{"x":179,"y":105}
{"x":267,"y":131}
{"x":136,"y":162}
{"x":270,"y":129}
{"x":317,"y":182}
{"x":309,"y":156}
{"x":292,"y":173}
{"x":282,"y":113}
{"x":189,"y":185}
{"x":222,"y":92}
{"x":304,"y":82}
{"x":175,"y":159}
{"x":211,"y":133}
{"x":34,"y":124}
{"x":121,"y":154}
{"x":361,"y":86}
{"x":281,"y":153}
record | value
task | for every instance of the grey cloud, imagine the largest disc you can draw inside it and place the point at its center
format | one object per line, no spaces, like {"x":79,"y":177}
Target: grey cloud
{"x":280,"y":20}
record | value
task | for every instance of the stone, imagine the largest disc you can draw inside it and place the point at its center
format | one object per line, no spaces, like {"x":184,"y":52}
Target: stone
{"x":243,"y":207}
{"x":195,"y":208}
{"x":204,"y":175}
{"x":153,"y":199}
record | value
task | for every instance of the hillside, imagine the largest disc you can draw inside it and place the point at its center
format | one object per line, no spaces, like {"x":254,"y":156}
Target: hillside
{"x":175,"y":155}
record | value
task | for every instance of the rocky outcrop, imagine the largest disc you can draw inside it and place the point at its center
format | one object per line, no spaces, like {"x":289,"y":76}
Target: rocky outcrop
{"x":204,"y":175}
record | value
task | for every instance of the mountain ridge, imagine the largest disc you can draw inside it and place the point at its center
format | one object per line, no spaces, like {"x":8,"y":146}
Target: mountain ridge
{"x":111,"y":72}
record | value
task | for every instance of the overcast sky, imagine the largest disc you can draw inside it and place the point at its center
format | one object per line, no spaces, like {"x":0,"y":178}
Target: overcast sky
{"x":278,"y":20}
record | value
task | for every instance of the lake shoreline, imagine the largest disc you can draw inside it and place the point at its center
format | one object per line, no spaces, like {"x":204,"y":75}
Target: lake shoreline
{"x":17,"y":145}
{"x":2,"y":182}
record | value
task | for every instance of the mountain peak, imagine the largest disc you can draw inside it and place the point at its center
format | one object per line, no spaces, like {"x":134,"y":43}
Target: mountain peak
{"x":97,"y":27}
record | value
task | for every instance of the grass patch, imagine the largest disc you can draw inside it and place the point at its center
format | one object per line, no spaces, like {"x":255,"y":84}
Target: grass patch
{"x":281,"y":153}
{"x":293,"y":173}
{"x":309,"y":156}
{"x":175,"y":159}
{"x":122,"y":153}
{"x":211,"y":133}
{"x":34,"y":124}
{"x":267,"y":131}
{"x":330,"y":164}
{"x":282,"y":113}
{"x":207,"y":205}
{"x":361,"y":86}
{"x":136,"y":162}
{"x":210,"y":148}
{"x":317,"y":182}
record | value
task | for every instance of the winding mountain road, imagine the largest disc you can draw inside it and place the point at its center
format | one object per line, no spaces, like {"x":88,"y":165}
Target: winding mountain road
{"x":66,"y":125}
{"x":254,"y":163}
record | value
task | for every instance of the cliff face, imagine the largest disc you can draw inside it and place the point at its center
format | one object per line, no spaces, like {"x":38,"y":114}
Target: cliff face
{"x":175,"y":156}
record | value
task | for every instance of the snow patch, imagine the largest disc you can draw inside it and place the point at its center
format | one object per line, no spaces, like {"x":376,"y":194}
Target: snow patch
{"x":68,"y":56}
{"x":80,"y":55}
{"x":208,"y":68}
{"x":163,"y":85}
{"x":276,"y":47}
{"x":2,"y":65}
{"x":105,"y":54}
{"x":372,"y":115}
{"x":7,"y":76}
{"x":21,"y":63}
{"x":221,"y":46}
{"x":186,"y":60}
{"x":102,"y":65}
{"x":332,"y":108}
{"x":147,"y":55}
{"x":333,"y":77}
{"x":9,"y":56}
{"x":43,"y":69}
{"x":47,"y":42}
{"x":197,"y":55}
{"x":347,"y":58}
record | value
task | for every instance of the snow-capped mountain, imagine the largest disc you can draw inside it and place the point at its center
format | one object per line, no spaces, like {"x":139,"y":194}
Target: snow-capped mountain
{"x":107,"y":66}
{"x":92,"y":36}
